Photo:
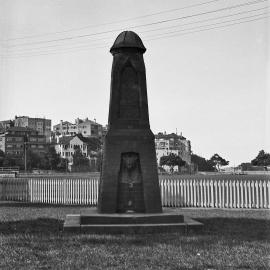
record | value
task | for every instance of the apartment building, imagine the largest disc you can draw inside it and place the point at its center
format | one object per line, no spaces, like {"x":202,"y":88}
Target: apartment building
{"x":5,"y":124}
{"x":16,"y":139}
{"x":86,"y":127}
{"x":173,"y":143}
{"x":42,"y":125}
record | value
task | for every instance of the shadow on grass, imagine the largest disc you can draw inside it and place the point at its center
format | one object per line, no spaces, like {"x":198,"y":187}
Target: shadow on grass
{"x":243,"y":228}
{"x":240,"y":228}
{"x":39,"y":225}
{"x":41,"y":205}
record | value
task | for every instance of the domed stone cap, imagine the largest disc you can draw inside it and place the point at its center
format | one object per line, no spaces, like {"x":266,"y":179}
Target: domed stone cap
{"x":128,"y":39}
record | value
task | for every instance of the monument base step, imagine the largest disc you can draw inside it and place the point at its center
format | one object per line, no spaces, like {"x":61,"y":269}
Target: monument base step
{"x":93,"y":222}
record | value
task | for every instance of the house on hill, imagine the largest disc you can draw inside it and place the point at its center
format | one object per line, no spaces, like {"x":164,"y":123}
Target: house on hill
{"x":67,"y":145}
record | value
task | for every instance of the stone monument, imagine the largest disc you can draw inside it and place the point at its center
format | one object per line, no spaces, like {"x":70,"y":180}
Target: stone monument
{"x":129,"y":196}
{"x":129,"y":177}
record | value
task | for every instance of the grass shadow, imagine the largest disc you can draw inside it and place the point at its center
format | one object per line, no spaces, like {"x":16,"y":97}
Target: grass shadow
{"x":41,"y":205}
{"x":231,"y":228}
{"x":243,"y":228}
{"x":39,"y":225}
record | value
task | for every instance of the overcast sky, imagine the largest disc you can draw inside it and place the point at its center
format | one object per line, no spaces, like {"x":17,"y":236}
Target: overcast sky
{"x":211,"y":85}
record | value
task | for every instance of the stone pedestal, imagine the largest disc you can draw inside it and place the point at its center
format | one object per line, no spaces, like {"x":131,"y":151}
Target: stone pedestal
{"x":129,"y":223}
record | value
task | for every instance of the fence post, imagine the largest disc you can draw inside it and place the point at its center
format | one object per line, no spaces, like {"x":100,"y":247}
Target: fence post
{"x":201,"y":192}
{"x":178,"y":193}
{"x":219,"y":194}
{"x":264,"y":195}
{"x":249,"y":194}
{"x":245,"y":194}
{"x":211,"y":193}
{"x":257,"y":193}
{"x":241,"y":194}
{"x":215,"y":194}
{"x":261,"y":194}
{"x":195,"y":193}
{"x":268,"y":193}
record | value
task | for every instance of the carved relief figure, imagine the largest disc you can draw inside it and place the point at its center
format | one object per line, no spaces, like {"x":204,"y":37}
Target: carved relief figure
{"x":130,"y":190}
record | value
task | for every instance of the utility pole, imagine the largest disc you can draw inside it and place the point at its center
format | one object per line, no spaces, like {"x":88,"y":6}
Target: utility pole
{"x":25,"y":152}
{"x":25,"y":158}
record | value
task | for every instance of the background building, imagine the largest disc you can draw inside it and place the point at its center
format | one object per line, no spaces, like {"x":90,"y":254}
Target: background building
{"x":66,"y":146}
{"x":6,"y":124}
{"x":16,"y":139}
{"x":173,"y":143}
{"x":86,"y":127}
{"x":41,"y":125}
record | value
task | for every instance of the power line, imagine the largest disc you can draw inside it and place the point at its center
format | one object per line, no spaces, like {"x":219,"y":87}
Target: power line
{"x":207,"y":29}
{"x":160,"y":36}
{"x":114,"y":22}
{"x":206,"y":20}
{"x":151,"y":30}
{"x":142,"y":25}
{"x":212,"y":24}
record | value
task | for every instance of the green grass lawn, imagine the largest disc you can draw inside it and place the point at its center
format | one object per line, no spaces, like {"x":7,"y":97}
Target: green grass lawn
{"x":31,"y":237}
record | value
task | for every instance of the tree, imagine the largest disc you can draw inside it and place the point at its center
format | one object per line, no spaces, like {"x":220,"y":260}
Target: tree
{"x":171,"y":160}
{"x":245,"y":166}
{"x":219,"y":161}
{"x":53,"y":158}
{"x":98,"y":163}
{"x":33,"y":159}
{"x":262,"y":159}
{"x":2,"y":157}
{"x":80,"y":162}
{"x":62,"y":165}
{"x":203,"y":164}
{"x":94,"y":144}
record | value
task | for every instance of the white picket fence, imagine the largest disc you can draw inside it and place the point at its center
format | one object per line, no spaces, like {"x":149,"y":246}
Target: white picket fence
{"x":227,"y":193}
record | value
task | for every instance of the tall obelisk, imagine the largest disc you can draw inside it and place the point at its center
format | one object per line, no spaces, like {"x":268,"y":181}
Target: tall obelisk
{"x":129,"y":177}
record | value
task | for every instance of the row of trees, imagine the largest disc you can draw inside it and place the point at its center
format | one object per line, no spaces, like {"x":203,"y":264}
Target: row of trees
{"x":213,"y":164}
{"x":262,"y":159}
{"x":47,"y":161}
{"x":216,"y":162}
{"x":209,"y":165}
{"x":171,"y":160}
{"x":53,"y":161}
